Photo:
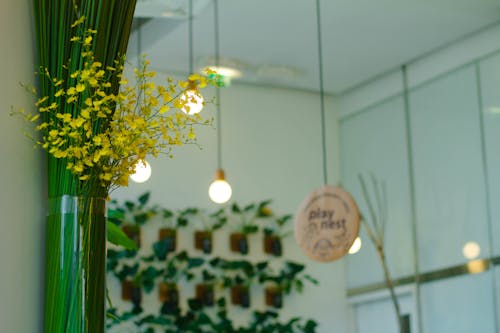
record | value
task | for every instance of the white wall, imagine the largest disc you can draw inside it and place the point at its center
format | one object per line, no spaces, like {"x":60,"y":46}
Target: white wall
{"x":271,"y":149}
{"x":21,"y":197}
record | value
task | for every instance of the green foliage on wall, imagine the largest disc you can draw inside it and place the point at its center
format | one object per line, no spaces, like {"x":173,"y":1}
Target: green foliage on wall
{"x":165,"y":268}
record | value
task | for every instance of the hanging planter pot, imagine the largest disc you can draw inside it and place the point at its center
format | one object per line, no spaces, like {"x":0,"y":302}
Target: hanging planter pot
{"x":169,"y":237}
{"x":133,"y":232}
{"x":131,"y":292}
{"x":169,"y":297}
{"x":239,"y":242}
{"x":240,"y":295}
{"x":205,"y":294}
{"x":203,"y":241}
{"x":272,"y":245}
{"x":274,"y":296}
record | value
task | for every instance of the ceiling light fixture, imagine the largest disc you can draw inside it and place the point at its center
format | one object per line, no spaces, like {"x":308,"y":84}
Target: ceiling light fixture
{"x":192,"y":99}
{"x":142,"y":169}
{"x":142,"y":172}
{"x":219,"y":191}
{"x":356,"y":246}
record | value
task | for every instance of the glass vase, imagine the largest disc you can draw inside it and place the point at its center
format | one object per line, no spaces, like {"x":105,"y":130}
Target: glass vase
{"x":75,"y":265}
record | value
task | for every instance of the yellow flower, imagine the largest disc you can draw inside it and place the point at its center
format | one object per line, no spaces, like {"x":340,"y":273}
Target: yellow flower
{"x":88,"y":40}
{"x":80,"y":87}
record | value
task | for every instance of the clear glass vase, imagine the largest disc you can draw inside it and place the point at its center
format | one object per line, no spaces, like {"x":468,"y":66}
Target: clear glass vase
{"x":75,"y":265}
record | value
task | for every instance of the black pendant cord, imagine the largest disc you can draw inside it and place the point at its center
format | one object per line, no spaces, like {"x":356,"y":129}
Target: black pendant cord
{"x":190,"y":32}
{"x":321,"y":92}
{"x":139,"y":45}
{"x":217,"y":63}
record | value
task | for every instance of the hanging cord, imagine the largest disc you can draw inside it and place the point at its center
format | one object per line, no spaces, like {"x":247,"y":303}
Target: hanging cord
{"x":190,"y":32}
{"x":321,"y":92}
{"x":217,"y":63}
{"x":139,"y":44}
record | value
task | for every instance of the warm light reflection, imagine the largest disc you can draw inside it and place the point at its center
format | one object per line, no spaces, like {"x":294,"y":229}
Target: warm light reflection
{"x":471,"y":250}
{"x":477,"y":266}
{"x":142,"y":172}
{"x":356,"y":246}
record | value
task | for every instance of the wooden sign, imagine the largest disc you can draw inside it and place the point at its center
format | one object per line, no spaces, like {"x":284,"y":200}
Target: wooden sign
{"x":327,"y":223}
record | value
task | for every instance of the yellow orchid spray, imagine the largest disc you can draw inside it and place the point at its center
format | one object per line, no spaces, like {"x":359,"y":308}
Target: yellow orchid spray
{"x":109,"y":134}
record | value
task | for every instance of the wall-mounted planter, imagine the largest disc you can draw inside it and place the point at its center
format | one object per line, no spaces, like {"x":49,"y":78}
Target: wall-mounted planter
{"x":239,"y":243}
{"x":240,"y":295}
{"x":169,"y":236}
{"x":133,"y":232}
{"x":205,"y":294}
{"x":203,"y":241}
{"x":169,"y":297}
{"x":272,"y":245}
{"x":131,"y":292}
{"x":274,"y":296}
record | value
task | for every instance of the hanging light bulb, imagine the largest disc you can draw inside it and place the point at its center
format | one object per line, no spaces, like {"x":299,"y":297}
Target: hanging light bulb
{"x":142,"y":172}
{"x":220,"y":191}
{"x":192,"y":100}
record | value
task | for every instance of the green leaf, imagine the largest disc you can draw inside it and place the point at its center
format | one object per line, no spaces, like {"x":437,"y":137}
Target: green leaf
{"x":118,"y":237}
{"x":143,"y":199}
{"x":117,"y":214}
{"x":182,"y":221}
{"x":195,"y":262}
{"x":130,"y":205}
{"x":160,"y":249}
{"x":141,"y":218}
{"x":235,"y":208}
{"x":249,"y":208}
{"x":194,"y":304}
{"x":250,"y":229}
{"x":167,"y":213}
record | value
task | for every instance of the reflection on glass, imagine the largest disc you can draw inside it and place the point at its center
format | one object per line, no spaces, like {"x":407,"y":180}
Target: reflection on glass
{"x":471,"y":250}
{"x":477,"y":266}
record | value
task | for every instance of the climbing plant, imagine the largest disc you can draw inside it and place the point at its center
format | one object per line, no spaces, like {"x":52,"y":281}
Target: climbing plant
{"x":219,"y":282}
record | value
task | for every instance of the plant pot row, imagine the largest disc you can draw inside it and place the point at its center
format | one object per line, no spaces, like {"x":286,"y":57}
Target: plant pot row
{"x":203,"y":240}
{"x":169,"y":295}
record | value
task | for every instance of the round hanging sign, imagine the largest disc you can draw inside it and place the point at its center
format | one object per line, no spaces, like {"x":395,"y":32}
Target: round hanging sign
{"x":327,"y":223}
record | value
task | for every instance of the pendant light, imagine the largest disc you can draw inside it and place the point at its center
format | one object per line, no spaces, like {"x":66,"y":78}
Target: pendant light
{"x":142,"y":169}
{"x":193,"y":100}
{"x":219,"y":191}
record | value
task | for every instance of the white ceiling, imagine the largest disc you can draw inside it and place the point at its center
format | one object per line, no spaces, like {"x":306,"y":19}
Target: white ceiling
{"x":275,"y":41}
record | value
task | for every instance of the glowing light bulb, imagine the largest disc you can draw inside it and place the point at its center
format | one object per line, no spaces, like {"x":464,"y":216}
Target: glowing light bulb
{"x":356,"y":246}
{"x":220,"y":191}
{"x":142,"y":172}
{"x":471,"y":250}
{"x":193,"y":101}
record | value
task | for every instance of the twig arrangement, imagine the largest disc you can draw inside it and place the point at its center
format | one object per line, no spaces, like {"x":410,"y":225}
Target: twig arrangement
{"x":375,"y":229}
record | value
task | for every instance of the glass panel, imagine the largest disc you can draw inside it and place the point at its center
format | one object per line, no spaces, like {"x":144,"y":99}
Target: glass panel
{"x":378,"y":316}
{"x":497,"y":303}
{"x":459,"y":305}
{"x":375,"y":142}
{"x":449,"y":177}
{"x":490,"y":83}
